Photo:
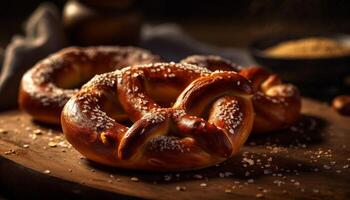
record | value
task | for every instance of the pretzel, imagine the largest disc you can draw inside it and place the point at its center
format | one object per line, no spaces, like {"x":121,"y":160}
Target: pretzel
{"x":182,"y":117}
{"x":47,"y":86}
{"x":277,"y":105}
{"x":212,"y":62}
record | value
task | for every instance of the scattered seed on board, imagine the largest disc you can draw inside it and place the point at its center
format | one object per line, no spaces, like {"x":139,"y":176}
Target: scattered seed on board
{"x":135,"y":179}
{"x":180,"y":188}
{"x":203,"y":185}
{"x":3,"y":131}
{"x":259,"y":195}
{"x":197,"y":176}
{"x":52,"y":144}
{"x":37,"y":132}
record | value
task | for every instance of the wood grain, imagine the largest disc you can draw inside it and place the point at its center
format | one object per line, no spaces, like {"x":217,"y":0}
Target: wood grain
{"x":308,"y":161}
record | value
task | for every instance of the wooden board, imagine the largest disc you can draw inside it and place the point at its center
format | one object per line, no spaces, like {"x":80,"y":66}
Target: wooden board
{"x":308,"y":161}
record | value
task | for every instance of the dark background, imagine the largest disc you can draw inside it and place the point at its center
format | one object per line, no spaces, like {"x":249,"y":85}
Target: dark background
{"x":221,"y":22}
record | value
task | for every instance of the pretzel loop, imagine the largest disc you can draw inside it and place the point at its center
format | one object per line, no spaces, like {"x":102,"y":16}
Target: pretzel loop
{"x":277,"y":105}
{"x":47,"y":86}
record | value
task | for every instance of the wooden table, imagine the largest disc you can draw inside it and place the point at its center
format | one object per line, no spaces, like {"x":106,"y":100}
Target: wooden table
{"x":308,"y":161}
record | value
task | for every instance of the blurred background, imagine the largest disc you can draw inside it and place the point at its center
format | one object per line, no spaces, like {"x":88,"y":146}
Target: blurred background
{"x":220,"y":22}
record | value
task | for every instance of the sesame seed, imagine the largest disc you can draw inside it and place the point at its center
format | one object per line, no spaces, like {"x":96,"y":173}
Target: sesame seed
{"x":3,"y":131}
{"x":37,"y":132}
{"x":259,"y":195}
{"x":228,"y":191}
{"x":197,"y":176}
{"x":180,"y":188}
{"x":52,"y":144}
{"x":135,"y":179}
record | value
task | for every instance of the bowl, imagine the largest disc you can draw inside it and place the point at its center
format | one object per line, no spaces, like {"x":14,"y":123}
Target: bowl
{"x":321,"y":70}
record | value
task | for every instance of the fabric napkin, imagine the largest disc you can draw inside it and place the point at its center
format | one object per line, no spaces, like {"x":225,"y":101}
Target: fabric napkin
{"x":43,"y":35}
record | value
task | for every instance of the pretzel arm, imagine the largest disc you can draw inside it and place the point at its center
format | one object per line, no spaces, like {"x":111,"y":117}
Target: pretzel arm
{"x":140,"y":133}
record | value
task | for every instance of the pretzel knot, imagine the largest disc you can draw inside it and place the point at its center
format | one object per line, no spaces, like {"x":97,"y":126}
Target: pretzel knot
{"x":182,"y":117}
{"x":277,"y":105}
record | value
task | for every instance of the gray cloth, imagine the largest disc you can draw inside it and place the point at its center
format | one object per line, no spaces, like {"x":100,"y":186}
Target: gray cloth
{"x":44,"y":34}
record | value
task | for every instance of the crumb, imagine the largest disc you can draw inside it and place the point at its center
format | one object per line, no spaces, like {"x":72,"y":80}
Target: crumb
{"x":37,"y":132}
{"x":52,"y":144}
{"x":315,"y":191}
{"x":167,"y":177}
{"x":180,"y":188}
{"x":250,"y":181}
{"x":197,"y":176}
{"x":3,"y":131}
{"x":135,"y":179}
{"x":203,"y":185}
{"x":11,"y":151}
{"x":259,"y":195}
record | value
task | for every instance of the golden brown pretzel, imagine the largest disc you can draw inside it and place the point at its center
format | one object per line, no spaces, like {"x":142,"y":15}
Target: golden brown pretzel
{"x":212,"y":62}
{"x":184,"y":117}
{"x":276,"y":105}
{"x":47,"y":86}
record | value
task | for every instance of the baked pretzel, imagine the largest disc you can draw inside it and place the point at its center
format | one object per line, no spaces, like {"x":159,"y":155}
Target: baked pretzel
{"x":47,"y":86}
{"x":212,"y":62}
{"x":183,"y":117}
{"x":276,"y":105}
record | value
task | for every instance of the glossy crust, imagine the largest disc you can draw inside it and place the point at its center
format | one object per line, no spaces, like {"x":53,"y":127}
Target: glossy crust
{"x":212,"y":62}
{"x":277,"y":105}
{"x":183,"y":117}
{"x":47,"y":86}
